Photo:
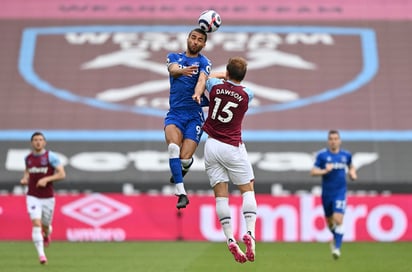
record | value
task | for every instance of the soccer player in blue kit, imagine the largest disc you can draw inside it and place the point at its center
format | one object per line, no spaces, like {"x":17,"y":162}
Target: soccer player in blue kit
{"x":331,"y":164}
{"x":188,"y":71}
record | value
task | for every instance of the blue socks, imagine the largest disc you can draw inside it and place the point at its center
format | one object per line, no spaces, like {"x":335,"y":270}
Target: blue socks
{"x":176,"y":169}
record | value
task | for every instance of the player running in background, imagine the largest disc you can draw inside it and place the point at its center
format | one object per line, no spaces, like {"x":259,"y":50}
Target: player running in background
{"x":226,"y":157}
{"x":331,"y":164}
{"x":42,"y":169}
{"x":188,"y":71}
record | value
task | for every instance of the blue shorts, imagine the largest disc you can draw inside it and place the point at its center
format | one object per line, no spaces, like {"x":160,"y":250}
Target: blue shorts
{"x":189,"y":122}
{"x":334,"y":204}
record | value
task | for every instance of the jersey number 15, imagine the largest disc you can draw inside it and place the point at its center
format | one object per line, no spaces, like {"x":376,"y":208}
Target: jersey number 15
{"x":226,"y":109}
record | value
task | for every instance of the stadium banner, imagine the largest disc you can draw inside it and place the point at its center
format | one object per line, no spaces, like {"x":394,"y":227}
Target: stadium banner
{"x":297,"y":218}
{"x":143,"y":166}
{"x":184,"y":9}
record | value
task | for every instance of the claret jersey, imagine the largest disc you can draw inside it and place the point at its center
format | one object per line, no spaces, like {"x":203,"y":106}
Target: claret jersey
{"x":227,"y":107}
{"x":39,"y":166}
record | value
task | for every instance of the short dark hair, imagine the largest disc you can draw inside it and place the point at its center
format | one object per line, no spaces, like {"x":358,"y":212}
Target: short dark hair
{"x":199,"y":30}
{"x":333,"y":132}
{"x":37,"y":133}
{"x":237,"y":67}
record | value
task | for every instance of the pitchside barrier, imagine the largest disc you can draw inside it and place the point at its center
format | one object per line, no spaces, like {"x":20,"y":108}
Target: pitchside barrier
{"x":297,"y":218}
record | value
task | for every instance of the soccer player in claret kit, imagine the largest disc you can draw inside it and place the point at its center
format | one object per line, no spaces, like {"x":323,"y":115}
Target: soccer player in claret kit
{"x":331,"y":164}
{"x":43,"y":168}
{"x":226,"y":157}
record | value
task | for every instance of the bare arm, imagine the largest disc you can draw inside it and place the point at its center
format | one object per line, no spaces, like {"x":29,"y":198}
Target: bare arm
{"x":316,"y":172}
{"x":200,"y":87}
{"x":175,"y":71}
{"x":352,"y":173}
{"x":25,"y":179}
{"x":221,"y":75}
{"x":197,"y":95}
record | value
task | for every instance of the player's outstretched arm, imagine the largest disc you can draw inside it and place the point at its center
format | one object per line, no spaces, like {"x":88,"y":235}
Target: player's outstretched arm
{"x":221,"y":75}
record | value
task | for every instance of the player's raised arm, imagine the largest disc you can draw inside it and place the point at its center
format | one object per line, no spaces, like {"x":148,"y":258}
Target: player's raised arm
{"x":221,"y":75}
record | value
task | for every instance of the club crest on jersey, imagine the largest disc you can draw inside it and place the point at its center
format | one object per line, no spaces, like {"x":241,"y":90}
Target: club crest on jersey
{"x":122,"y":68}
{"x":44,"y":161}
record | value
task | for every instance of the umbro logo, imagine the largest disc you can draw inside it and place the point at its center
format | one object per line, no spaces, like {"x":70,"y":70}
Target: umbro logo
{"x":96,"y":210}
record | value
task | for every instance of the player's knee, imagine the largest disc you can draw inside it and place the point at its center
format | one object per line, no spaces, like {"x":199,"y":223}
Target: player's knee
{"x":337,"y":218}
{"x":174,"y":150}
{"x":186,"y":163}
{"x":36,"y":223}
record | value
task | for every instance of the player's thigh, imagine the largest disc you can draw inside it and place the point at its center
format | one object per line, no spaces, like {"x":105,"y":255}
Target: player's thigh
{"x":193,"y":129}
{"x":238,"y":165}
{"x":339,"y":204}
{"x":221,"y":189}
{"x":214,"y":168}
{"x":338,"y":217}
{"x":217,"y":174}
{"x":173,"y":134}
{"x":174,"y":125}
{"x":188,"y":148}
{"x":47,"y":210}
{"x":327,"y":204}
{"x":34,"y":207}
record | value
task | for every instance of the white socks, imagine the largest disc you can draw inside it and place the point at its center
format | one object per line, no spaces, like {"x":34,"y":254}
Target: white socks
{"x":223,"y":213}
{"x":180,"y":189}
{"x":38,"y":240}
{"x":249,"y":209}
{"x":339,"y":229}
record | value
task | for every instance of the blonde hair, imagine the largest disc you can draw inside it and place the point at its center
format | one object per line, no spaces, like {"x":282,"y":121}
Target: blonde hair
{"x":237,"y":67}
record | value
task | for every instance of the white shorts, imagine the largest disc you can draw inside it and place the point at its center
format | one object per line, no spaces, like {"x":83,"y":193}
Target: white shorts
{"x":224,"y":163}
{"x":40,"y":208}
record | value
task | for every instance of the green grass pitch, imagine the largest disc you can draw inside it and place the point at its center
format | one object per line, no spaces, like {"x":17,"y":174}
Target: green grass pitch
{"x":204,"y":256}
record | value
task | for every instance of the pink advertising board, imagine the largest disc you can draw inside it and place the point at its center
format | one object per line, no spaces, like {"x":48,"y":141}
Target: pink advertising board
{"x":116,"y":217}
{"x":233,"y":10}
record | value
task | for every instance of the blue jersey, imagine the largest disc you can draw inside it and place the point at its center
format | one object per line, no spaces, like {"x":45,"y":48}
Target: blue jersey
{"x":334,"y":183}
{"x":182,"y":88}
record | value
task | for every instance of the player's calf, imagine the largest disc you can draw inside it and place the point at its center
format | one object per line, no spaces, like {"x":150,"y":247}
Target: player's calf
{"x":186,"y":164}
